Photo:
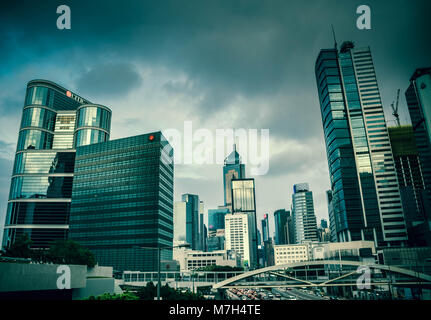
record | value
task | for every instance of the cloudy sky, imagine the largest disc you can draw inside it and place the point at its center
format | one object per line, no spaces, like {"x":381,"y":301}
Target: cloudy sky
{"x":220,"y":64}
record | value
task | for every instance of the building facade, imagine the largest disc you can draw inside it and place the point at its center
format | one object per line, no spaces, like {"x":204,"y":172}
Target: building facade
{"x":53,"y":121}
{"x":244,"y":202}
{"x":290,"y":253}
{"x":232,"y":169}
{"x":122,"y":201}
{"x":186,"y":220}
{"x":216,"y":219}
{"x":238,"y":236}
{"x":303,"y":217}
{"x":195,"y":259}
{"x":418,"y":97}
{"x":281,"y":232}
{"x":365,"y":194}
{"x":412,"y":188}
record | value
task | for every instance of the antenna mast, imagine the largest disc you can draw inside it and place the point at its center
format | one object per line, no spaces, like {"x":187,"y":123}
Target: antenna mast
{"x":335,"y":39}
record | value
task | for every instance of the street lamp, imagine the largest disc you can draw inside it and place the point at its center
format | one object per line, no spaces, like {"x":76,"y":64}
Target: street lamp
{"x":159,"y":249}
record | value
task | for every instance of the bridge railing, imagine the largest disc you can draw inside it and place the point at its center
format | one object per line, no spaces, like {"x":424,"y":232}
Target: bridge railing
{"x":179,"y":276}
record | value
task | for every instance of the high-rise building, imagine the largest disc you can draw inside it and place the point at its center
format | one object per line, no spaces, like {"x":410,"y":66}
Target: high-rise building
{"x":418,"y":96}
{"x":332,"y":217}
{"x":238,"y":233}
{"x":201,"y":227}
{"x":323,"y":224}
{"x":304,"y":219}
{"x":281,"y":232}
{"x":411,"y":180}
{"x":244,"y":203}
{"x":216,"y":219}
{"x":265,"y":228}
{"x":122,"y":201}
{"x":365,"y":195}
{"x":54,"y":121}
{"x":232,"y":169}
{"x":186,"y":220}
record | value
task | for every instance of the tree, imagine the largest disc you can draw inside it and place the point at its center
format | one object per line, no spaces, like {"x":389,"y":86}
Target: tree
{"x":70,"y":252}
{"x":166,"y":293}
{"x":20,"y":248}
{"x":107,"y":296}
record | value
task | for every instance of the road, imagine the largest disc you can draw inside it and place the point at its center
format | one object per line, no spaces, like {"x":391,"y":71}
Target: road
{"x":297,"y":294}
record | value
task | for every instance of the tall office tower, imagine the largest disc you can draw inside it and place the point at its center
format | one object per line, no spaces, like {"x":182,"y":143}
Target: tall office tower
{"x":265,"y":228}
{"x":201,"y":226}
{"x":304,"y":219}
{"x":280,"y":221}
{"x":238,"y":235}
{"x":186,"y":220}
{"x":122,"y":200}
{"x":332,"y":217}
{"x":244,"y":202}
{"x":41,"y":185}
{"x":418,"y":96}
{"x":417,"y":211}
{"x":323,"y":223}
{"x":216,"y":219}
{"x":365,"y":194}
{"x":232,"y":169}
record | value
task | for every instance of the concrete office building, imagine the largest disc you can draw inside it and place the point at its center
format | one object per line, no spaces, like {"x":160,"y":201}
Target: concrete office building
{"x":281,"y":232}
{"x":239,"y":238}
{"x":366,"y":200}
{"x":54,"y":122}
{"x":122,"y":200}
{"x":290,"y":253}
{"x":196,"y":259}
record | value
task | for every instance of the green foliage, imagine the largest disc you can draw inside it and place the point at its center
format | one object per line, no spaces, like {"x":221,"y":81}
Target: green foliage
{"x":107,"y":296}
{"x":70,"y":252}
{"x":20,"y":248}
{"x":61,"y":252}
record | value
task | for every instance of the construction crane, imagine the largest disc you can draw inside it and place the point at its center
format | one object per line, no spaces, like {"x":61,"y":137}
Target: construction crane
{"x":395,"y":109}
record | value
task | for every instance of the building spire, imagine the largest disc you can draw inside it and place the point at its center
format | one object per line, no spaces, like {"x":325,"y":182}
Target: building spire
{"x":335,"y":38}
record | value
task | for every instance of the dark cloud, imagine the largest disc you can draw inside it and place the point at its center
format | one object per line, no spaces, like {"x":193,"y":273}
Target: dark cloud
{"x":109,"y":80}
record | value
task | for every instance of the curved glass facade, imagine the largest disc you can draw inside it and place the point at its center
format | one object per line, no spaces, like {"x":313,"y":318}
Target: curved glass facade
{"x":40,"y":187}
{"x":93,"y":117}
{"x":40,"y":96}
{"x":46,"y":162}
{"x":84,"y":137}
{"x":34,"y":139}
{"x":38,"y":117}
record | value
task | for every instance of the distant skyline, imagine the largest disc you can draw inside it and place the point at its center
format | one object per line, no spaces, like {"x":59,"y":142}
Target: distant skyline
{"x":223,"y":64}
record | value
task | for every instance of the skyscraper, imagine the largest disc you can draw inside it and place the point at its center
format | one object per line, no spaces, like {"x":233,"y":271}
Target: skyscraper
{"x":216,"y":219}
{"x":280,"y":221}
{"x":244,"y":203}
{"x":54,"y":121}
{"x":411,"y":180}
{"x":304,"y":219}
{"x":232,"y":169}
{"x":418,"y":96}
{"x":332,"y":217}
{"x":365,"y":196}
{"x":265,"y":228}
{"x":186,"y":220}
{"x":122,"y":200}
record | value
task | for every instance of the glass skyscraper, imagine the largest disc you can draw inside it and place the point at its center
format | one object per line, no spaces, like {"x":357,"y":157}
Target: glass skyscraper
{"x":366,"y":201}
{"x":418,"y":97}
{"x":41,"y":185}
{"x":244,"y":203}
{"x":216,"y":219}
{"x":122,"y":200}
{"x":303,"y":217}
{"x":232,"y":169}
{"x":281,"y":229}
{"x":186,"y":220}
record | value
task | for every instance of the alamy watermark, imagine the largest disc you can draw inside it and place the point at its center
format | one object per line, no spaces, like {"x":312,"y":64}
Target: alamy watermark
{"x":204,"y":146}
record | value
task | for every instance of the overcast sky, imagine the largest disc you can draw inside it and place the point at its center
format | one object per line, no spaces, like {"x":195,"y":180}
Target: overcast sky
{"x":220,"y":64}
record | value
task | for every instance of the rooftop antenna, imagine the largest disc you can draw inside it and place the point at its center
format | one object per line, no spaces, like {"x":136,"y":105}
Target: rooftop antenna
{"x":335,"y":39}
{"x":394,"y":107}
